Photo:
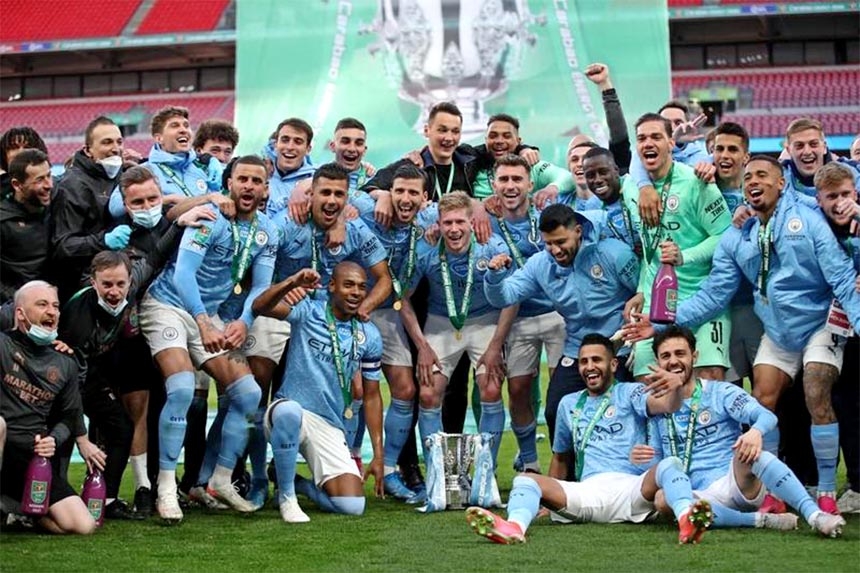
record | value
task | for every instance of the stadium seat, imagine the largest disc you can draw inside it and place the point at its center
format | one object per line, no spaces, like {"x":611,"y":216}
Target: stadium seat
{"x":36,"y":20}
{"x":170,"y":16}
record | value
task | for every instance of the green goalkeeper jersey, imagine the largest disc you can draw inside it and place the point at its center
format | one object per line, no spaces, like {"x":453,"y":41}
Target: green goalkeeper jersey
{"x":543,"y":173}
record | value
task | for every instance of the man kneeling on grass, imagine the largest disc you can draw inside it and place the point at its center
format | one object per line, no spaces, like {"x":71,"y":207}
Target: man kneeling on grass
{"x":599,"y":425}
{"x":327,"y":347}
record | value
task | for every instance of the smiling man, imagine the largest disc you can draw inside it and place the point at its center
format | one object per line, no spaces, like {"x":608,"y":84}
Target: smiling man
{"x":807,"y":149}
{"x":605,"y":182}
{"x":291,"y":151}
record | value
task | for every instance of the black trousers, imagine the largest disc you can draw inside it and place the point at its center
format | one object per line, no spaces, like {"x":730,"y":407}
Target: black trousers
{"x":111,"y":428}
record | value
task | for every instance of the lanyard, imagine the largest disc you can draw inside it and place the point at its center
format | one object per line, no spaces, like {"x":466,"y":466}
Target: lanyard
{"x":457,"y":318}
{"x":241,"y":255}
{"x":439,"y":193}
{"x":411,"y":257}
{"x":167,"y":170}
{"x":509,"y":240}
{"x":765,"y":241}
{"x":601,"y":409}
{"x":691,"y":428}
{"x":337,"y":355}
{"x":315,"y":253}
{"x":651,"y":245}
{"x":628,"y":224}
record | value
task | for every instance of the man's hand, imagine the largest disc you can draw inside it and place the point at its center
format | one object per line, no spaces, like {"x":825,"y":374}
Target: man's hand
{"x":172,"y":199}
{"x":368,"y":168}
{"x":350,"y":212}
{"x":857,"y":284}
{"x":650,"y":206}
{"x":235,"y":334}
{"x":599,"y":74}
{"x":670,"y":253}
{"x":545,"y":196}
{"x":493,"y":361}
{"x":532,"y":156}
{"x":705,"y":171}
{"x":129,"y":155}
{"x":427,"y":359}
{"x":689,"y":131}
{"x":296,"y":295}
{"x":634,"y":305}
{"x":363,"y":311}
{"x":117,"y":239}
{"x":748,"y":446}
{"x":306,"y":278}
{"x":383,"y":213}
{"x":213,"y":339}
{"x":639,"y":329}
{"x":377,"y":470}
{"x":92,"y":455}
{"x":195,"y":216}
{"x":741,"y":214}
{"x":45,"y":447}
{"x":300,"y":201}
{"x":661,"y":382}
{"x":641,"y":454}
{"x":432,"y":234}
{"x":481,"y":223}
{"x":493,"y":205}
{"x":500,"y":261}
{"x":62,"y":347}
{"x":224,"y":204}
{"x":415,"y":157}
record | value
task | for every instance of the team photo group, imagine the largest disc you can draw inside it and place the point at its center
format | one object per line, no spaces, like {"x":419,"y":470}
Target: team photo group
{"x":672,"y":286}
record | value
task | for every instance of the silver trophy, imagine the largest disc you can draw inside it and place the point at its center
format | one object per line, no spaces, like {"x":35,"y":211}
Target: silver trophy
{"x":452,"y":50}
{"x":458,"y":453}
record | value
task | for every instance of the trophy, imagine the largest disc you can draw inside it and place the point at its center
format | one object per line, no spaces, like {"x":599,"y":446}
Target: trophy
{"x":452,"y":50}
{"x":458,"y":453}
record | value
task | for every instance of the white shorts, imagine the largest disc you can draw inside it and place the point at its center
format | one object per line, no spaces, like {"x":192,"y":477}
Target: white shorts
{"x":607,"y":498}
{"x":322,"y":445}
{"x":166,"y":327}
{"x":267,"y":338}
{"x":527,"y":338}
{"x":824,"y":347}
{"x":744,"y":341}
{"x":725,"y":491}
{"x":474,"y":337}
{"x":395,"y":345}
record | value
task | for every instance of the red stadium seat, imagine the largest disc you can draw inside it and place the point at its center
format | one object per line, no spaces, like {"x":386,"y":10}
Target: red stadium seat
{"x":34,"y":20}
{"x":170,"y":16}
{"x":773,"y":125}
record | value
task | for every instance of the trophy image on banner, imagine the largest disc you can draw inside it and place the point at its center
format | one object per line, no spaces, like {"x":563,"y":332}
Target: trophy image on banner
{"x":453,"y":50}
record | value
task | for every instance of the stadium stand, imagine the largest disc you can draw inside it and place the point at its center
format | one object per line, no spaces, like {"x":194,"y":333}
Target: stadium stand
{"x":37,"y":20}
{"x":170,"y":16}
{"x":773,"y":125}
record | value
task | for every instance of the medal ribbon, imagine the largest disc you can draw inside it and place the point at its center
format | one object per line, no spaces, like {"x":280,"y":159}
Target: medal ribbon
{"x":577,"y":413}
{"x":315,"y":253}
{"x":457,"y":318}
{"x":765,"y":240}
{"x":651,"y":246}
{"x":167,"y":170}
{"x":337,"y":355}
{"x":411,"y":257}
{"x":241,"y":259}
{"x":509,"y":240}
{"x":691,"y":428}
{"x":628,"y":224}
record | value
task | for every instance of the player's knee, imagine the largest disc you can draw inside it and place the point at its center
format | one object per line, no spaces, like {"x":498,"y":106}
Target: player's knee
{"x":671,"y":463}
{"x":766,"y":396}
{"x":179,"y":388}
{"x":286,"y":415}
{"x":352,"y":505}
{"x":245,"y":395}
{"x":428,"y":398}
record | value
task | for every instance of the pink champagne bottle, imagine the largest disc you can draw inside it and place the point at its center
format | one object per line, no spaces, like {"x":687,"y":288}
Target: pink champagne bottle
{"x":37,"y":487}
{"x":94,"y":493}
{"x":664,"y":295}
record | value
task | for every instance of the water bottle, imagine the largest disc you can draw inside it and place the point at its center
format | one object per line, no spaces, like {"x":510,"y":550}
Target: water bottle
{"x":93,"y":494}
{"x":37,"y":487}
{"x":664,"y":295}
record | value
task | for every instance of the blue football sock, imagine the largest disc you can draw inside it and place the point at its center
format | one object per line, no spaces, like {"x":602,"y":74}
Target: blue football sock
{"x":781,"y":482}
{"x":171,"y":422}
{"x":527,"y":441}
{"x":825,"y":444}
{"x":398,"y":423}
{"x":493,"y":423}
{"x":728,"y":517}
{"x":351,"y":505}
{"x":770,"y":441}
{"x":308,"y":489}
{"x":524,"y":501}
{"x":257,"y":447}
{"x":358,"y":408}
{"x":675,"y":483}
{"x":429,"y":422}
{"x":213,"y":442}
{"x":244,"y":395}
{"x":286,"y":426}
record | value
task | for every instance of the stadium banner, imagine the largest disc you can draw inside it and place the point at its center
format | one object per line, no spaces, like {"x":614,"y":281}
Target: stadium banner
{"x":386,"y":62}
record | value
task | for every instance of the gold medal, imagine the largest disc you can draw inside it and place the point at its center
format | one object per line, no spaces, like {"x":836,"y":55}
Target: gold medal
{"x":237,"y":289}
{"x":458,"y":335}
{"x":347,"y":413}
{"x":397,"y":305}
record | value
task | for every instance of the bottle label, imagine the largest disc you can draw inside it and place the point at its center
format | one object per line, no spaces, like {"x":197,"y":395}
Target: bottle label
{"x":671,"y":300}
{"x":95,"y":508}
{"x":38,"y":491}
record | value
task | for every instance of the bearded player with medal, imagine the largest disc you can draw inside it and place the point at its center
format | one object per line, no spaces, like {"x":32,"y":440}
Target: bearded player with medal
{"x":178,"y":317}
{"x":455,"y":270}
{"x":726,"y":466}
{"x":329,"y":345}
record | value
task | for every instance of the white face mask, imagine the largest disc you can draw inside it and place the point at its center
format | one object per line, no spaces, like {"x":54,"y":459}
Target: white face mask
{"x":111,"y":165}
{"x":39,"y":335}
{"x":147,"y":218}
{"x":111,"y":310}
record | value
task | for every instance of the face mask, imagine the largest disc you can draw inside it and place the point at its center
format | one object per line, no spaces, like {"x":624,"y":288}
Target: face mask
{"x":111,"y":165}
{"x":147,"y":218}
{"x":111,"y":310}
{"x":41,"y":336}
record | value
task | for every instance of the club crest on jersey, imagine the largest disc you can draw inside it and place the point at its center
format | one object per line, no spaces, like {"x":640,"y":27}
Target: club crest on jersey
{"x":335,"y":251}
{"x":597,"y":272}
{"x":672,"y":203}
{"x":704,"y":417}
{"x":481,"y":265}
{"x":795,"y":225}
{"x":610,"y":413}
{"x":250,"y":342}
{"x":201,"y":185}
{"x":360,"y":338}
{"x":567,"y":361}
{"x":261,"y":238}
{"x":53,"y":374}
{"x":169,"y":333}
